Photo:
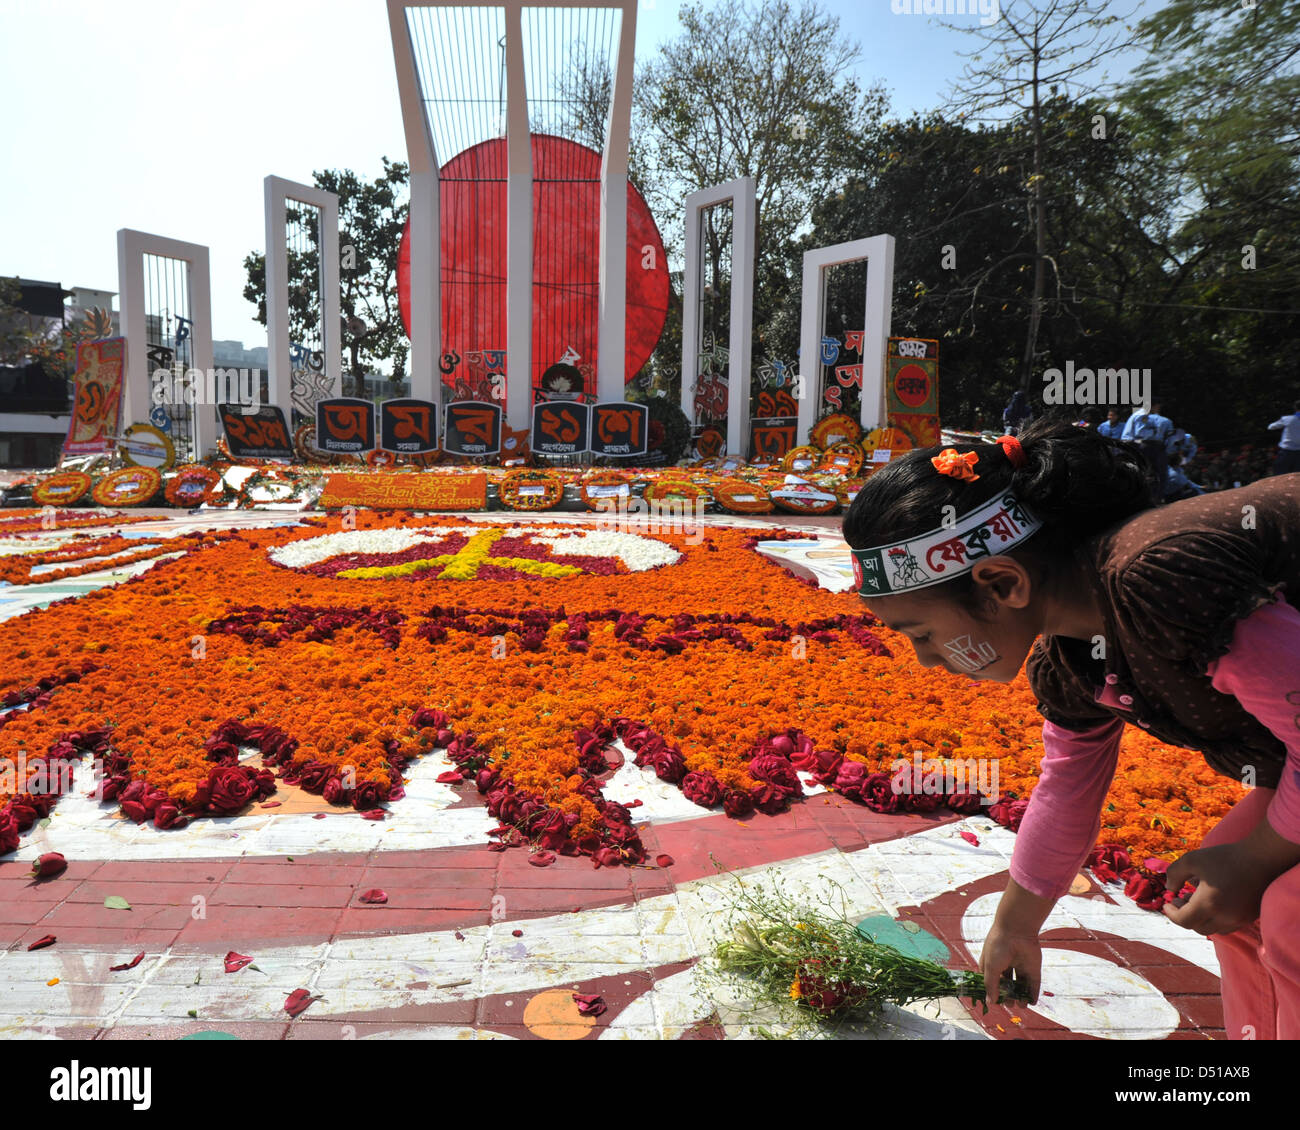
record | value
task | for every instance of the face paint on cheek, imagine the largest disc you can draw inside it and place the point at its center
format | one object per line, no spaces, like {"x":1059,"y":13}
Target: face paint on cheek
{"x":971,"y":656}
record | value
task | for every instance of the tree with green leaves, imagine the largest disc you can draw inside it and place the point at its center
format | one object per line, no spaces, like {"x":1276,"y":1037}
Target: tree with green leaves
{"x":372,"y":216}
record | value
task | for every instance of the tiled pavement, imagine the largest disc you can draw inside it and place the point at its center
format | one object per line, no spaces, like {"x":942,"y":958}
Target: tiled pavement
{"x":441,"y":957}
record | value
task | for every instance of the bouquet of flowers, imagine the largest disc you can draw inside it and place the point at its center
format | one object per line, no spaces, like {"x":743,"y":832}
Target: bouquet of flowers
{"x":815,"y":958}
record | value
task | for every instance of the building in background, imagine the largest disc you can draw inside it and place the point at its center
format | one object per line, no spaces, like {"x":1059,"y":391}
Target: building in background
{"x":36,"y":408}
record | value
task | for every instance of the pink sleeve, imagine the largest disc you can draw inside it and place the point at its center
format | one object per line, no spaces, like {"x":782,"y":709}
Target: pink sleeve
{"x":1261,"y":670}
{"x":1064,"y":815}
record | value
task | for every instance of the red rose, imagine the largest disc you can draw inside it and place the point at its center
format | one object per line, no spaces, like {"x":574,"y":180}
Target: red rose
{"x":770,"y":799}
{"x":8,"y":834}
{"x":313,"y":775}
{"x":1009,"y":813}
{"x":168,"y":815}
{"x":369,"y":795}
{"x":607,"y":857}
{"x":827,"y":767}
{"x":230,"y":788}
{"x":921,"y":802}
{"x":782,"y":746}
{"x":702,"y":789}
{"x":22,"y":815}
{"x":134,"y":810}
{"x":669,"y":765}
{"x":850,"y":778}
{"x":50,"y":864}
{"x":963,"y":801}
{"x":737,"y":803}
{"x":776,"y":770}
{"x":551,"y":830}
{"x":333,"y":792}
{"x":878,"y":793}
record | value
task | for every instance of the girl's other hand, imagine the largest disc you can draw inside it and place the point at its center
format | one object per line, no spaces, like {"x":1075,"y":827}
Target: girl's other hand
{"x":1229,"y":886}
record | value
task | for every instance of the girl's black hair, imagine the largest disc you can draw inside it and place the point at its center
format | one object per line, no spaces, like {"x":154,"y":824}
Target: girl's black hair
{"x":1077,"y":481}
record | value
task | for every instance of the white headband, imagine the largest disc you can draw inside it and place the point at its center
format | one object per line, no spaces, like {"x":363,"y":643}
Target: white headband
{"x":945,"y":553}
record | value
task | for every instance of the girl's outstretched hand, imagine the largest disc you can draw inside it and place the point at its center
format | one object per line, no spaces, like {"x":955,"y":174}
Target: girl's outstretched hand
{"x":1004,"y":952}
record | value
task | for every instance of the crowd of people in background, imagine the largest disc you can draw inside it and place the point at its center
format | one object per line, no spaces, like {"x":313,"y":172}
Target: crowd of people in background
{"x":1178,"y":464}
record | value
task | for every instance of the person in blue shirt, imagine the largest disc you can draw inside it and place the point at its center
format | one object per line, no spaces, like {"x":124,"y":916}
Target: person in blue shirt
{"x":1149,"y":430}
{"x":1016,"y":414}
{"x":1288,"y":447}
{"x":1181,"y":443}
{"x":1177,"y":485}
{"x":1113,"y":428}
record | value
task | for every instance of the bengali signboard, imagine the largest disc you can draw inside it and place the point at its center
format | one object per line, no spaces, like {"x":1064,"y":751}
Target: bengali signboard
{"x":408,"y":427}
{"x":619,"y":429}
{"x":561,"y":429}
{"x":262,"y":435}
{"x":345,"y":426}
{"x":407,"y":491}
{"x":772,"y":439}
{"x":97,"y":385}
{"x":473,"y":428}
{"x":912,"y":388}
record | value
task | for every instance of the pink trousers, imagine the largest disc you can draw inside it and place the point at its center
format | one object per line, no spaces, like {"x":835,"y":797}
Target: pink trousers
{"x":1260,"y":964}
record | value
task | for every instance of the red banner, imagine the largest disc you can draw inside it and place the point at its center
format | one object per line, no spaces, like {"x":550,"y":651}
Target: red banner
{"x":97,"y":409}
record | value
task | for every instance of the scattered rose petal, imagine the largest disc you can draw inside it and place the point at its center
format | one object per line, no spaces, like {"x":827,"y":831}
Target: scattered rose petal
{"x":319,"y":816}
{"x":589,"y":1004}
{"x":665,"y":860}
{"x":373,"y":814}
{"x":971,"y":838}
{"x":1159,"y":866}
{"x":459,"y":936}
{"x":117,"y":902}
{"x":542,"y":858}
{"x":48,"y":940}
{"x":373,"y":895}
{"x":50,"y":864}
{"x":451,"y":777}
{"x":517,"y":933}
{"x":236,"y":961}
{"x":299,"y":1001}
{"x":127,"y":965}
{"x":271,"y":804}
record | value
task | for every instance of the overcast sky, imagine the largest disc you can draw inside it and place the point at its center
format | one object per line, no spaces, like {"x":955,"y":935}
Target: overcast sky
{"x":166,"y":115}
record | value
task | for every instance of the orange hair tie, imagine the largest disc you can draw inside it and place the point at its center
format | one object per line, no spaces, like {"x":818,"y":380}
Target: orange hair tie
{"x":1012,"y":450}
{"x":958,"y":466}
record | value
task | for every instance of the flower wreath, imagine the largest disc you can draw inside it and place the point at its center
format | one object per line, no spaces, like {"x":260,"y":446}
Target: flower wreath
{"x":525,"y":489}
{"x":64,"y":489}
{"x":847,"y":490}
{"x":599,"y":486}
{"x":737,"y":496}
{"x":380,"y":458}
{"x":674,"y":486}
{"x":131,"y":486}
{"x":304,"y":445}
{"x":893,"y":438}
{"x":804,"y":497}
{"x":193,"y":485}
{"x":844,"y":458}
{"x":801,"y":459}
{"x":832,"y":430}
